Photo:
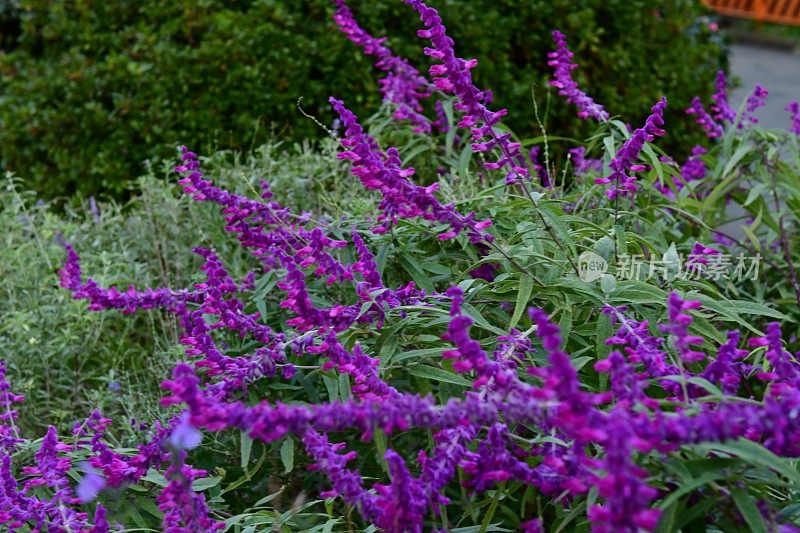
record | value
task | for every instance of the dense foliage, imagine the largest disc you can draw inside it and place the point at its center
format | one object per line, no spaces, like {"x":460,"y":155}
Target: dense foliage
{"x":449,"y":329}
{"x":90,"y":90}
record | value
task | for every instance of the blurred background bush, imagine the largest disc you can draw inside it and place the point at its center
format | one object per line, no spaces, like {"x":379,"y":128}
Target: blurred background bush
{"x":90,"y":90}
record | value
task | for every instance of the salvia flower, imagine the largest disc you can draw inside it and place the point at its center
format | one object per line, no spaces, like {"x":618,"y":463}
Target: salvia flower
{"x":575,"y":441}
{"x":699,"y":254}
{"x":184,"y":436}
{"x":452,"y":75}
{"x":9,"y":434}
{"x":184,"y":509}
{"x":401,"y":198}
{"x":584,"y":165}
{"x":794,"y":109}
{"x":756,"y":99}
{"x":90,"y":484}
{"x":721,"y":109}
{"x":624,"y":163}
{"x":678,"y":326}
{"x":694,"y":168}
{"x":561,"y":61}
{"x":710,"y":126}
{"x":403,"y":85}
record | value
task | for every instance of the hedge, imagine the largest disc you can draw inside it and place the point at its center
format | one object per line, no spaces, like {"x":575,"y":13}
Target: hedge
{"x":89,"y":91}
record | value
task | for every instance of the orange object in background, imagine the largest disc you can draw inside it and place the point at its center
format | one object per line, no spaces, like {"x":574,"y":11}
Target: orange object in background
{"x":778,"y":11}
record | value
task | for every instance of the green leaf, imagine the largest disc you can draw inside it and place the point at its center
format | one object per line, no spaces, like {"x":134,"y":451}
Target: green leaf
{"x":437,"y":374}
{"x":728,"y":311}
{"x":735,"y":158}
{"x":604,"y":331}
{"x":672,"y":262}
{"x":245,"y":446}
{"x":754,"y":193}
{"x":205,"y":483}
{"x":657,"y":165}
{"x":332,"y":386}
{"x":690,"y":486}
{"x":463,"y":160}
{"x":755,"y":308}
{"x":604,"y":247}
{"x":344,"y":387}
{"x":561,"y":230}
{"x":749,"y":510}
{"x":725,"y":182}
{"x":156,"y":477}
{"x":248,"y":475}
{"x":608,"y":283}
{"x":523,"y":296}
{"x":268,"y":498}
{"x":380,"y":447}
{"x":475,"y":315}
{"x":415,"y":354}
{"x":415,"y":271}
{"x":756,"y":455}
{"x":287,"y":455}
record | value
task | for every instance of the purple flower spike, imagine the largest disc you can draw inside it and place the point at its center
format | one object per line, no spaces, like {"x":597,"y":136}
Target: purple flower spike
{"x":532,"y":526}
{"x":678,"y":326}
{"x":694,"y":168}
{"x":706,"y":121}
{"x":794,"y":109}
{"x":699,"y":254}
{"x":584,"y":165}
{"x":625,"y":161}
{"x":722,"y":110}
{"x":9,"y":435}
{"x":401,"y":198}
{"x":756,"y":100}
{"x":561,"y":61}
{"x":403,"y":86}
{"x":452,"y":75}
{"x":184,"y":509}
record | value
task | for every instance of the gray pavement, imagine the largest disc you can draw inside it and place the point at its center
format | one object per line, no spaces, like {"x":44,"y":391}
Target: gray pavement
{"x":777,"y":70}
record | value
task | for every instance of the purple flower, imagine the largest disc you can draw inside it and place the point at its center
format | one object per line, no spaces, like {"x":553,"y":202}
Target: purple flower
{"x":722,"y":110}
{"x":403,"y":85}
{"x":561,"y":61}
{"x":184,"y":436}
{"x":678,"y":327}
{"x":625,"y":161}
{"x":90,"y":484}
{"x":755,"y":100}
{"x":532,"y":526}
{"x":401,"y":198}
{"x":794,"y":109}
{"x":538,"y":168}
{"x":100,"y":521}
{"x":627,"y":496}
{"x":727,"y":369}
{"x":184,"y":509}
{"x":9,"y":434}
{"x":694,"y":168}
{"x":699,"y":254}
{"x":710,"y":126}
{"x":584,"y":165}
{"x":94,"y":209}
{"x":452,"y":75}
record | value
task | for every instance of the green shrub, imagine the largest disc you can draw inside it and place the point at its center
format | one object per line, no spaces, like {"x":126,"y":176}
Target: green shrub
{"x":90,"y":90}
{"x":67,"y":361}
{"x":266,"y":486}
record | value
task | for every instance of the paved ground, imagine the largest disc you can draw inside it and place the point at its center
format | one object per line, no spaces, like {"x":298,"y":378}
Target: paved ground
{"x":776,"y":70}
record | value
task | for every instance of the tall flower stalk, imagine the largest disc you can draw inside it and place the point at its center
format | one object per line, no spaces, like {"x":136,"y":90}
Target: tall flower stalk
{"x":403,"y":85}
{"x":561,"y":61}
